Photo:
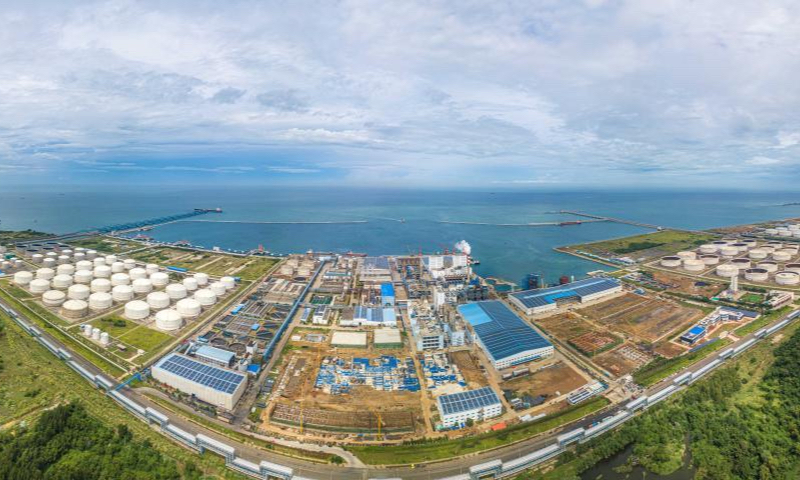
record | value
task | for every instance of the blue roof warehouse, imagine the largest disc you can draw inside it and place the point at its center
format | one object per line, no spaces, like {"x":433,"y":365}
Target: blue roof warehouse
{"x":506,"y":338}
{"x":545,"y":299}
{"x":212,"y":384}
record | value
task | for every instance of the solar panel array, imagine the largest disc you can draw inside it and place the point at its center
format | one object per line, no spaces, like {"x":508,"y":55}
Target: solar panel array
{"x":466,"y":401}
{"x":217,"y":378}
{"x":581,"y":288}
{"x":500,"y":330}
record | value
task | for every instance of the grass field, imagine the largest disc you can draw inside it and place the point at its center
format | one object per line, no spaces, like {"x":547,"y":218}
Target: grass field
{"x":657,"y":243}
{"x":661,"y":368}
{"x":105,"y":244}
{"x":438,"y":450}
{"x":10,"y":236}
{"x":132,"y":333}
{"x":762,"y":321}
{"x":217,"y":264}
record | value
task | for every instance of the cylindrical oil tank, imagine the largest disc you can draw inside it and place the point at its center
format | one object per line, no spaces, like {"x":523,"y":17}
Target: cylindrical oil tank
{"x":751,"y":242}
{"x":63,"y":259}
{"x":756,"y":274}
{"x":103,"y":271}
{"x":781,"y":256}
{"x":101,"y":285}
{"x":151,"y":268}
{"x":305,"y":271}
{"x":39,"y":285}
{"x":205,"y":297}
{"x":159,"y":279}
{"x":137,"y":273}
{"x":53,"y":298}
{"x":23,"y":278}
{"x":188,"y":308}
{"x":99,"y":262}
{"x":91,"y":254}
{"x":83,"y":276}
{"x":158,"y":300}
{"x":78,"y":292}
{"x":287,"y":269}
{"x":742,"y":247}
{"x":117,"y":267}
{"x":202,"y":279}
{"x":771,"y":231}
{"x":129,"y":263}
{"x":37,"y":258}
{"x":74,"y":309}
{"x":218,"y":288}
{"x":86,"y":329}
{"x":100,"y":301}
{"x":768,"y":249}
{"x":84,"y":265}
{"x":65,"y":270}
{"x":176,"y":291}
{"x":79,"y":256}
{"x":96,"y":333}
{"x":792,"y":267}
{"x":45,"y":273}
{"x":120,"y":279}
{"x":693,"y":265}
{"x":142,"y":285}
{"x":137,"y":310}
{"x":768,"y":266}
{"x":710,"y":259}
{"x":62,"y":282}
{"x":190,"y":284}
{"x":110,"y":259}
{"x":49,"y":263}
{"x":720,"y":243}
{"x":229,"y":282}
{"x":727,"y":270}
{"x":708,"y":248}
{"x":757,"y":254}
{"x":787,"y":278}
{"x":122,"y":293}
{"x":105,"y":338}
{"x":741,"y":263}
{"x":169,"y":320}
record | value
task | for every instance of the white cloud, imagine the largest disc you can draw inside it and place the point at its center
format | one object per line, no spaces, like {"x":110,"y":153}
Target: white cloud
{"x":759,"y":160}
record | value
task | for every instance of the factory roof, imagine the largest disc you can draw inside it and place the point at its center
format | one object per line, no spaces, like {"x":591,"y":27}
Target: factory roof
{"x":349,"y":338}
{"x":377,"y":315}
{"x":544,"y":296}
{"x":467,"y":401}
{"x":387,"y":290}
{"x":388,"y":336}
{"x":376,"y":263}
{"x":215,"y":354}
{"x":219,"y":379}
{"x":500,"y":330}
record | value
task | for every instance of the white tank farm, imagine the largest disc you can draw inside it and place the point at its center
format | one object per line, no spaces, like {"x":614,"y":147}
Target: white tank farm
{"x":129,"y":263}
{"x":771,"y":267}
{"x":52,"y":255}
{"x":45,"y":273}
{"x":756,"y":275}
{"x":99,"y":262}
{"x":111,"y":259}
{"x":727,"y":270}
{"x":767,"y":248}
{"x":781,"y":256}
{"x":65,"y":270}
{"x":105,"y":338}
{"x":62,"y":282}
{"x":117,"y":267}
{"x":78,"y":292}
{"x":63,"y":259}
{"x":176,"y":291}
{"x":122,"y":293}
{"x":37,"y":258}
{"x":205,"y":297}
{"x":693,"y":265}
{"x":96,"y":333}
{"x":190,"y":284}
{"x":23,"y":278}
{"x":158,"y":300}
{"x":742,"y":247}
{"x":74,"y":309}
{"x":792,"y":267}
{"x":218,"y":288}
{"x":84,"y":265}
{"x":137,"y":310}
{"x":137,"y":272}
{"x":710,"y":259}
{"x":169,"y":320}
{"x":202,"y":279}
{"x":720,"y":243}
{"x":729,"y":251}
{"x":53,"y":298}
{"x":741,"y":263}
{"x":151,"y":268}
{"x":103,"y":271}
{"x":229,"y":282}
{"x":79,"y":256}
{"x":771,"y":231}
{"x":86,"y":329}
{"x":751,"y":242}
{"x":709,"y":248}
{"x":305,"y":271}
{"x":120,"y":279}
{"x":757,"y":254}
{"x":39,"y":285}
{"x":100,"y":301}
{"x":101,"y":285}
{"x":159,"y":279}
{"x":787,"y":278}
{"x":790,"y":249}
{"x":83,"y":276}
{"x":49,"y":262}
{"x":286,"y":269}
{"x":188,"y":308}
{"x":142,"y":285}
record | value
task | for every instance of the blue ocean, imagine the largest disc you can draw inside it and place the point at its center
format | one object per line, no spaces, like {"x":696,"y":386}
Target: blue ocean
{"x":391,"y":221}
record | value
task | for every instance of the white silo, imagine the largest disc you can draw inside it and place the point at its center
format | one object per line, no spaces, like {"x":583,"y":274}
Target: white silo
{"x":727,"y":270}
{"x":757,"y":254}
{"x":53,"y":298}
{"x":52,"y":255}
{"x":99,"y":262}
{"x":693,"y":265}
{"x":65,"y":270}
{"x":710,"y":259}
{"x":671,"y":261}
{"x":62,"y":282}
{"x":63,"y":259}
{"x":117,"y":267}
{"x":79,"y":256}
{"x":205,"y":297}
{"x":158,"y":300}
{"x":91,"y":254}
{"x":122,"y":293}
{"x":137,"y":272}
{"x":159,"y":279}
{"x":103,"y":271}
{"x":39,"y":286}
{"x":305,"y":271}
{"x":23,"y":278}
{"x":756,"y":275}
{"x":151,"y":268}
{"x":229,"y":282}
{"x":96,"y":333}
{"x":218,"y":288}
{"x":787,"y":278}
{"x":100,"y":285}
{"x":84,"y":265}
{"x":137,"y":310}
{"x":781,"y":256}
{"x":741,"y":263}
{"x":105,"y":339}
{"x":129,"y":263}
{"x":74,"y":309}
{"x":67,"y":252}
{"x":37,"y":258}
{"x":190,"y":284}
{"x":169,"y":320}
{"x":792,"y":267}
{"x":741,"y":246}
{"x":100,"y":301}
{"x":78,"y":292}
{"x":110,"y":259}
{"x":771,"y":267}
{"x":286,"y":269}
{"x":49,"y":263}
{"x":83,"y":276}
{"x":142,"y":285}
{"x":120,"y":279}
{"x":202,"y":279}
{"x":45,"y":273}
{"x":86,"y":329}
{"x":176,"y":291}
{"x":188,"y":308}
{"x":708,"y":248}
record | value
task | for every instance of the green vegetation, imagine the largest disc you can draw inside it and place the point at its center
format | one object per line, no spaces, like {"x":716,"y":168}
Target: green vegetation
{"x":429,"y":450}
{"x":105,"y":244}
{"x":132,"y":333}
{"x":11,"y":236}
{"x":661,"y":367}
{"x":761,"y":321}
{"x":666,"y":241}
{"x":212,"y":263}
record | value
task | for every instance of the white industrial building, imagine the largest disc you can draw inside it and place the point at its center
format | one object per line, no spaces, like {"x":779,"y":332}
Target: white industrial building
{"x":478,"y":405}
{"x":542,"y":300}
{"x":215,"y":385}
{"x":349,"y":339}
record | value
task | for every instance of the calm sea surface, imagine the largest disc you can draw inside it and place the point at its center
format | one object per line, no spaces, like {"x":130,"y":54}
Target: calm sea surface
{"x":504,"y":251}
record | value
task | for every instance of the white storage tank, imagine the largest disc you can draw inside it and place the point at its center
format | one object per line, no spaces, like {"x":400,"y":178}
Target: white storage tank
{"x":49,"y":263}
{"x":117,"y":267}
{"x":120,"y":279}
{"x":176,"y":291}
{"x":62,"y":282}
{"x":63,"y":259}
{"x":287,"y":269}
{"x":45,"y":273}
{"x":750,"y":242}
{"x":151,"y":268}
{"x":229,"y":282}
{"x":218,"y":288}
{"x":74,"y":309}
{"x":137,"y":310}
{"x":158,"y":300}
{"x":105,"y":339}
{"x":122,"y":293}
{"x":100,"y":301}
{"x":111,"y":259}
{"x":771,"y":267}
{"x":781,"y":256}
{"x":65,"y":270}
{"x":37,"y":258}
{"x":100,"y":285}
{"x":188,"y":308}
{"x":99,"y":262}
{"x":741,"y":263}
{"x":741,"y":246}
{"x":23,"y":278}
{"x":169,"y":320}
{"x":83,"y":276}
{"x":202,"y":279}
{"x":710,"y":259}
{"x":53,"y":298}
{"x":205,"y":297}
{"x":190,"y":284}
{"x":39,"y":285}
{"x":96,"y":333}
{"x":136,"y":273}
{"x":78,"y":292}
{"x":142,"y":285}
{"x":708,"y":248}
{"x":771,"y":231}
{"x":693,"y":265}
{"x":729,"y":251}
{"x":756,"y":274}
{"x":792,"y":267}
{"x":727,"y":270}
{"x":787,"y":278}
{"x":757,"y":254}
{"x":129,"y":263}
{"x":79,"y":256}
{"x":91,"y":254}
{"x":86,"y":329}
{"x":84,"y":265}
{"x":159,"y":279}
{"x":103,"y":271}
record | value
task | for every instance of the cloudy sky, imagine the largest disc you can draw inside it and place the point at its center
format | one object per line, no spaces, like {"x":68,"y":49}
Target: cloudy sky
{"x":509,"y":94}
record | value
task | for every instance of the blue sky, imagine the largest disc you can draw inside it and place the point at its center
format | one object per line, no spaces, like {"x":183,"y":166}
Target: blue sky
{"x":521,"y":94}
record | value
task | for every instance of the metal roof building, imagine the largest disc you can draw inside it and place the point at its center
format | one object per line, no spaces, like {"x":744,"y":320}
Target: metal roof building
{"x":215,"y":355}
{"x":215,"y":385}
{"x":545,"y":299}
{"x":478,"y":405}
{"x":506,"y":338}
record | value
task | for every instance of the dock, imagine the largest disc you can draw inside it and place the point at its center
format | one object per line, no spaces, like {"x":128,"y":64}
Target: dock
{"x":612,"y":219}
{"x":531,"y":224}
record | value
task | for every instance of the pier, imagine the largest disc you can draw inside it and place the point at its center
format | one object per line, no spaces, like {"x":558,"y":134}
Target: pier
{"x":248,"y":222}
{"x":531,"y":224}
{"x":611,"y":219}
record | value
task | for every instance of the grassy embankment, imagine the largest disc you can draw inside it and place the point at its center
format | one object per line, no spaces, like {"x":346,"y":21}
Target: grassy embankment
{"x":666,"y":240}
{"x":662,"y":368}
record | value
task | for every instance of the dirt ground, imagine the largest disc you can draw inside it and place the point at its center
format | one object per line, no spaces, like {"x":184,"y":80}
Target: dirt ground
{"x":469,"y":369}
{"x":623,"y":359}
{"x":687,"y":285}
{"x":565,"y":325}
{"x":592,"y":342}
{"x":669,"y":349}
{"x":553,"y":381}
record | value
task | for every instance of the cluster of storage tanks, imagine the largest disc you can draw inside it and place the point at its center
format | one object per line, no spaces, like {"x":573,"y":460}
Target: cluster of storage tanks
{"x":296,"y":267}
{"x":756,"y":262}
{"x":791,"y":230}
{"x":96,"y":334}
{"x":8,"y":262}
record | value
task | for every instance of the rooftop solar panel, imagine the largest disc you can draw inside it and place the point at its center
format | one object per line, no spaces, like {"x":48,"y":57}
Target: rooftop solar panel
{"x":217,"y":378}
{"x":581,"y":288}
{"x":466,"y":401}
{"x":500,"y":330}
